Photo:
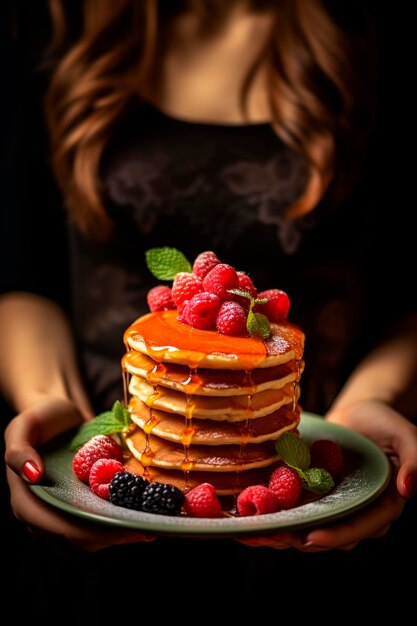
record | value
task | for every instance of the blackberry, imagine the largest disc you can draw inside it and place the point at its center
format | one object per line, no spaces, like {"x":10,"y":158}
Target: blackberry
{"x":162,"y":499}
{"x":126,"y":490}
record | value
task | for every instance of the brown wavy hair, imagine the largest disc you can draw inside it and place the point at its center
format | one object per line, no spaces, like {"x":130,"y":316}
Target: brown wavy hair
{"x":320,"y":91}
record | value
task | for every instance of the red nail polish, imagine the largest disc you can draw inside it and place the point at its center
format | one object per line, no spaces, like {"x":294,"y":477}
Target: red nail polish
{"x":31,"y":471}
{"x":409,"y":486}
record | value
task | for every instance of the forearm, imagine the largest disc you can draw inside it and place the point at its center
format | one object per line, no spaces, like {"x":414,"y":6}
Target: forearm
{"x":388,"y":374}
{"x":37,"y":355}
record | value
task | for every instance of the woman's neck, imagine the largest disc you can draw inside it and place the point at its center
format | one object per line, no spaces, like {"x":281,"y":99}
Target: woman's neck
{"x":201,"y":74}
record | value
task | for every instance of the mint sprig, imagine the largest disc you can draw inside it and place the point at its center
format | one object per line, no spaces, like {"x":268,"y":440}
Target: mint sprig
{"x":165,"y":263}
{"x":295,"y":452}
{"x":115,"y":421}
{"x":257,"y":324}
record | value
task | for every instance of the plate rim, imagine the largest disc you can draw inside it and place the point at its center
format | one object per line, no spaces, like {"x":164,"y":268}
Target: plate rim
{"x":226,"y":527}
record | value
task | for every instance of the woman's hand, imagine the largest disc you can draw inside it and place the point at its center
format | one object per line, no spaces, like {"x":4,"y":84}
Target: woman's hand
{"x":25,"y":433}
{"x":398,"y":438}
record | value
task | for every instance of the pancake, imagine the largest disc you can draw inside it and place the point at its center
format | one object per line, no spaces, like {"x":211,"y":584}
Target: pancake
{"x":162,"y":337}
{"x":230,"y":408}
{"x":210,"y":382}
{"x":151,"y":450}
{"x":178,"y":429}
{"x":208,"y":407}
{"x":225,"y":483}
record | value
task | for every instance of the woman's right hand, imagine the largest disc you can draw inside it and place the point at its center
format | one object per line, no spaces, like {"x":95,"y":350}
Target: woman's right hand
{"x":25,"y":433}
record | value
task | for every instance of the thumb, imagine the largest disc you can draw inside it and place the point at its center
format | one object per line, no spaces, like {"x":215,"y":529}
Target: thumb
{"x":33,"y":428}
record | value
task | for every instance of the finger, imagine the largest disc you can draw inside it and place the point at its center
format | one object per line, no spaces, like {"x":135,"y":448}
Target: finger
{"x":34,"y":427}
{"x":396,"y":435}
{"x":41,"y":519}
{"x":262,"y":542}
{"x":370,"y":523}
{"x":406,"y":449}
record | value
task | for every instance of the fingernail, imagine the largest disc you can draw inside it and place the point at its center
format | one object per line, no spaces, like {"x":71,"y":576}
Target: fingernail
{"x":305,"y":540}
{"x":409,"y":486}
{"x":31,"y":471}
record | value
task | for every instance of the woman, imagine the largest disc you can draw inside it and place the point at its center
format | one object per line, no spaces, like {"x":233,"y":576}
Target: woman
{"x":240,"y":127}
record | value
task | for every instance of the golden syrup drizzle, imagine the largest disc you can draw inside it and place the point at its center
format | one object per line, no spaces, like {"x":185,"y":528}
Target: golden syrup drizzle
{"x":126,"y":380}
{"x":186,"y":437}
{"x":295,"y":391}
{"x":148,"y":454}
{"x":244,"y":434}
{"x":150,"y":423}
{"x":193,"y":382}
{"x":155,"y":373}
{"x":165,"y":338}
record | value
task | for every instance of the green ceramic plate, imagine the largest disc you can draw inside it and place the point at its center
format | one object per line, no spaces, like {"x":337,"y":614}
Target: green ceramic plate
{"x":366,"y":476}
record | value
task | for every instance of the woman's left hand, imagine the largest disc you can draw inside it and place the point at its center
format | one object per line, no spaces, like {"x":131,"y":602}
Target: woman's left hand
{"x":397,"y":437}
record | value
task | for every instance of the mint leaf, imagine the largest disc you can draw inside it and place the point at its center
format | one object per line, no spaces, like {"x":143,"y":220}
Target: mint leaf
{"x":293,"y":451}
{"x":317,"y":479}
{"x":165,"y":263}
{"x":115,"y":421}
{"x":120,"y":413}
{"x":257,"y":324}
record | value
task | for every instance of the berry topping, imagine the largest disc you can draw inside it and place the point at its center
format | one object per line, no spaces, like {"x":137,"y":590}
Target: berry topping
{"x":209,"y":275}
{"x":159,"y":298}
{"x":257,"y":500}
{"x":99,"y":447}
{"x":163,"y":499}
{"x":185,"y":286}
{"x":202,"y":501}
{"x":101,"y":475}
{"x":286,"y":483}
{"x":205,"y":262}
{"x":220,"y":279}
{"x":231,"y":318}
{"x":201,"y":311}
{"x":277,"y":307}
{"x":327,"y":454}
{"x":126,"y":490}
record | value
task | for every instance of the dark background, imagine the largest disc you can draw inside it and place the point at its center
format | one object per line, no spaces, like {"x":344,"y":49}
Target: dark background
{"x":28,"y":194}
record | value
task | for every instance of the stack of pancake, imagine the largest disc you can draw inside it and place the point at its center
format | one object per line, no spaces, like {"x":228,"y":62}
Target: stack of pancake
{"x":208,"y":407}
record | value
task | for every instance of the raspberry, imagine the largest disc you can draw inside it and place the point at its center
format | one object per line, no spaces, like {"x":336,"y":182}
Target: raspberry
{"x":204,"y":263}
{"x":99,"y":447}
{"x":231,"y":318}
{"x":101,"y":475}
{"x":277,"y":307}
{"x":286,"y":483}
{"x":328,"y":455}
{"x":126,"y":490}
{"x":162,"y":499}
{"x":184,"y":287}
{"x":159,"y":298}
{"x":201,"y":311}
{"x":182,"y":312}
{"x":221,"y":278}
{"x":202,"y":501}
{"x":257,"y":500}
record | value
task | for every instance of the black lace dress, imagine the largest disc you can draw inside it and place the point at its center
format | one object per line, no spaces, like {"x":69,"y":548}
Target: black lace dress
{"x":168,"y":182}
